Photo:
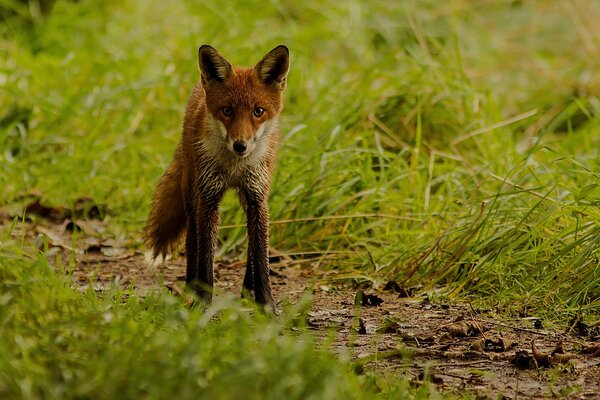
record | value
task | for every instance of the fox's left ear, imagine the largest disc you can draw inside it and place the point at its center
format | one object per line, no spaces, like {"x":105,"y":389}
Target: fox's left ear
{"x":274,"y":67}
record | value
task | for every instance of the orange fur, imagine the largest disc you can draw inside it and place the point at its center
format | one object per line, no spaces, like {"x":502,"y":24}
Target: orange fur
{"x":230,"y":138}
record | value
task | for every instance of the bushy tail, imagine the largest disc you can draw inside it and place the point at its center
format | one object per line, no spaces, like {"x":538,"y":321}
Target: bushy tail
{"x":167,"y":220}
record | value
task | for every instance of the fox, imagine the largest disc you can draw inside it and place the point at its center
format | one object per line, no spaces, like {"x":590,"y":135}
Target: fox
{"x":229,"y":140}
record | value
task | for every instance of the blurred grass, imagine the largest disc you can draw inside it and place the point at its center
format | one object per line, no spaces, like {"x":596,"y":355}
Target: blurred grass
{"x":437,"y":143}
{"x":470,"y":128}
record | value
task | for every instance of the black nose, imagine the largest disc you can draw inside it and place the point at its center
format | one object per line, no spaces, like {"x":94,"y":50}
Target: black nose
{"x":239,"y":146}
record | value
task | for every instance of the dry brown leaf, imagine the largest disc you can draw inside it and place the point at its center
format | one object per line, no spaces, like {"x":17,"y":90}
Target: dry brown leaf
{"x":542,"y":360}
{"x":91,"y":227}
{"x":176,"y":290}
{"x":498,"y":344}
{"x":478,"y":345}
{"x":464,"y":329}
{"x":560,"y":358}
{"x":445,"y":338}
{"x":55,"y":238}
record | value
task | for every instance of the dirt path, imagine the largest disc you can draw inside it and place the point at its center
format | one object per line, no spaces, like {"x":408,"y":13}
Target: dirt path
{"x":451,"y":345}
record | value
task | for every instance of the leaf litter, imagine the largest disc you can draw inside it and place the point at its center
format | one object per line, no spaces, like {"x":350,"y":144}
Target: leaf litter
{"x":392,"y":330}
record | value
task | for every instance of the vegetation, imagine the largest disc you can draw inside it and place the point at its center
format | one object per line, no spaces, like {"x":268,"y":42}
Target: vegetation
{"x":452,"y":144}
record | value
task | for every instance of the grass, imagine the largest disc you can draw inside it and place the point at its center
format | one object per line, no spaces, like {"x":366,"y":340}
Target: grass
{"x":451,"y":145}
{"x":61,"y":343}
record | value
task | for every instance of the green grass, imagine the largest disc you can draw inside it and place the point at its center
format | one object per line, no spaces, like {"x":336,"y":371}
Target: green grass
{"x":453,"y":144}
{"x":59,"y":343}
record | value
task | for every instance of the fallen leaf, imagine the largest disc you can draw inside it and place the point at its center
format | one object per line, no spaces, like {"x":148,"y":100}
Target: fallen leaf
{"x":91,"y":227}
{"x":478,"y":345}
{"x":444,"y":338}
{"x":541,"y":359}
{"x":560,"y":358}
{"x":55,"y":238}
{"x":174,"y":289}
{"x":498,"y":344}
{"x":464,"y":329}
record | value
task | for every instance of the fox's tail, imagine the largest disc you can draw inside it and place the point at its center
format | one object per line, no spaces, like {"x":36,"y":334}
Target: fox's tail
{"x":167,"y":222}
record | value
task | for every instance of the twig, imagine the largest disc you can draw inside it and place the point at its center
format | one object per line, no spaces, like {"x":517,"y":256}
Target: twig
{"x":455,"y":364}
{"x":473,"y":312}
{"x":516,"y":328}
{"x":331,"y":217}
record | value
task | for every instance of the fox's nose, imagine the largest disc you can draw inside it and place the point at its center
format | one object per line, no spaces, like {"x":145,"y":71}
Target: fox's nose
{"x":239,"y":146}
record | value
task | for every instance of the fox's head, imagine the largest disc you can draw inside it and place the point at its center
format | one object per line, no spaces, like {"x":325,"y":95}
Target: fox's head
{"x":243,"y":103}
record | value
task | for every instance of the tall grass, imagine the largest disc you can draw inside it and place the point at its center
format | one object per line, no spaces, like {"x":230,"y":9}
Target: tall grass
{"x":431,"y":143}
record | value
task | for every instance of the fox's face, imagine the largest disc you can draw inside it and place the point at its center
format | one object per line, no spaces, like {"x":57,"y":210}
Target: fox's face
{"x":243,"y":103}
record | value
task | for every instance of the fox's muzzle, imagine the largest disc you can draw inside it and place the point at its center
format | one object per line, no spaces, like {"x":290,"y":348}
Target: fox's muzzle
{"x":241,"y":148}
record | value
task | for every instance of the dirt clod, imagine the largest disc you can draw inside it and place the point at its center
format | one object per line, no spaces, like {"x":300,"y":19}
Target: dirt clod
{"x":369,"y":300}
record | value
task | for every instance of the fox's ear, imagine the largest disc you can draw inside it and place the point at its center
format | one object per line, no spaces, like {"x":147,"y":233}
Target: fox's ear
{"x":213,"y":66}
{"x":274,"y":67}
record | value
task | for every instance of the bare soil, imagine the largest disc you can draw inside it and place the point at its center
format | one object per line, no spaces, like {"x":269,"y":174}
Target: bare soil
{"x":397,"y":330}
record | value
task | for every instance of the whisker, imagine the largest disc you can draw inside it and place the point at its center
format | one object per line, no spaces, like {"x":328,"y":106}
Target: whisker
{"x":216,"y":135}
{"x":263,"y":137}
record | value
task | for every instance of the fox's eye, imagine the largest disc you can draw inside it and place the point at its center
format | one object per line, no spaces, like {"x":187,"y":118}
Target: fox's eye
{"x":259,"y":111}
{"x":227,"y":111}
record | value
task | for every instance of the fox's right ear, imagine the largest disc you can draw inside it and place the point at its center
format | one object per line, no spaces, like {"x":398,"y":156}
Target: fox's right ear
{"x":213,"y":66}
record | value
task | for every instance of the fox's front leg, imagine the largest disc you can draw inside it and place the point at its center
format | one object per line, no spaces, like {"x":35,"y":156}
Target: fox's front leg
{"x":200,"y":256}
{"x":248,"y":285}
{"x":257,"y":272}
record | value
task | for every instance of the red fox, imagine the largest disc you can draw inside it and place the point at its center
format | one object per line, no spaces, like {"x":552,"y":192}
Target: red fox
{"x":229,"y":140}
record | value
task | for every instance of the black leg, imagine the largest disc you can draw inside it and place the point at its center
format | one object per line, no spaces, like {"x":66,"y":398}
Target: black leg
{"x":258,"y":250}
{"x":248,"y":286}
{"x":191,"y":255}
{"x":208,"y":231}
